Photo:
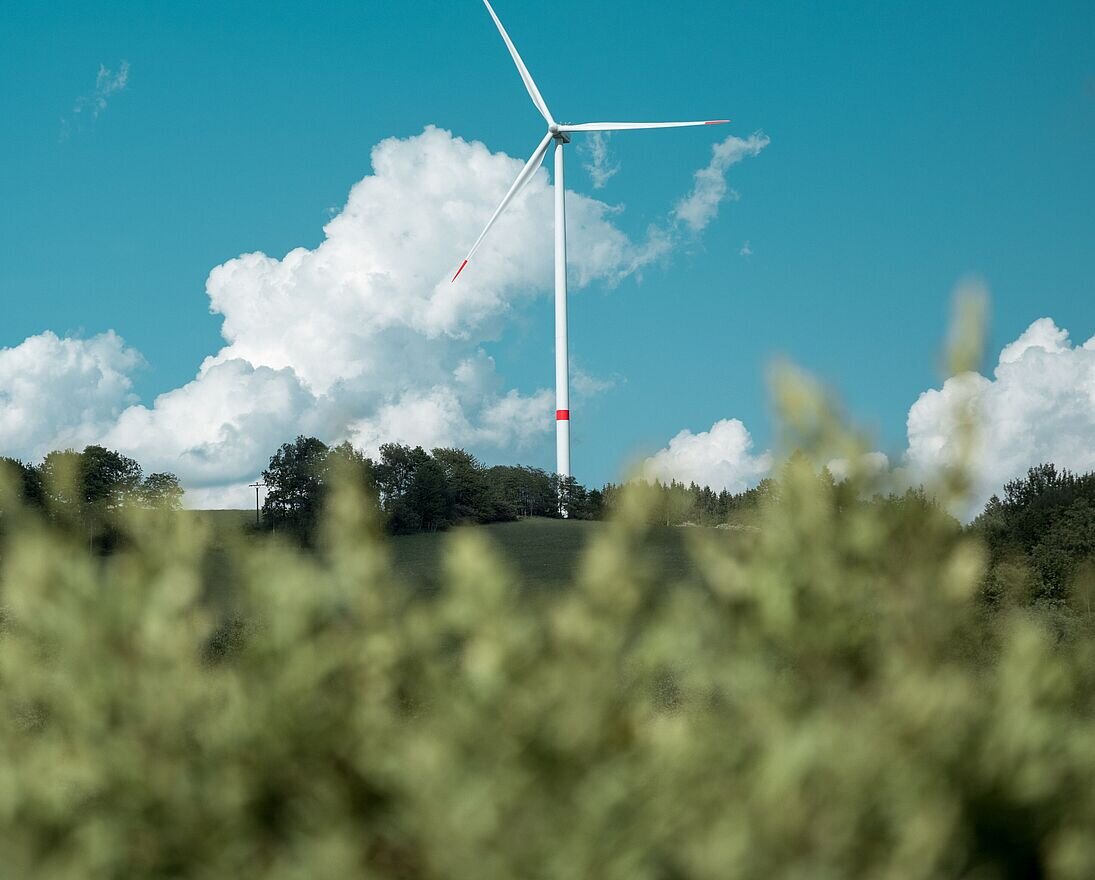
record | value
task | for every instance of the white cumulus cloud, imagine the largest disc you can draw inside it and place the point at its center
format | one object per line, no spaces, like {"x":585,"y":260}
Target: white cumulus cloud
{"x":721,"y":458}
{"x":362,"y":337}
{"x":56,"y":393}
{"x":217,"y":428}
{"x":1039,"y":406}
{"x":375,"y":299}
{"x":867,"y":465}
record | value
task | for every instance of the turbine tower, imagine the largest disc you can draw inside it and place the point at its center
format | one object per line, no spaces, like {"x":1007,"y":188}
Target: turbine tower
{"x":560,"y":134}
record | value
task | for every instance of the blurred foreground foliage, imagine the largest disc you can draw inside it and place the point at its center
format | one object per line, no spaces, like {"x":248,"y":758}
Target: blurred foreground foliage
{"x":833,"y":698}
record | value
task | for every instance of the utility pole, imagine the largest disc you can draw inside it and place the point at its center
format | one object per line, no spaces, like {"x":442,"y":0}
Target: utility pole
{"x":258,"y":487}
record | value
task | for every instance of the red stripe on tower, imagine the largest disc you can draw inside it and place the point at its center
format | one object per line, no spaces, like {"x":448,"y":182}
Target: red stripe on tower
{"x":562,"y":415}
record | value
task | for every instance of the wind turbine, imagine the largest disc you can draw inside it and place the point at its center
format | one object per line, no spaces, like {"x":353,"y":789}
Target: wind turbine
{"x":560,"y":133}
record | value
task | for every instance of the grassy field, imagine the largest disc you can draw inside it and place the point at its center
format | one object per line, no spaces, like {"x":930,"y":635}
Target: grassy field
{"x":225,"y":520}
{"x":543,"y":552}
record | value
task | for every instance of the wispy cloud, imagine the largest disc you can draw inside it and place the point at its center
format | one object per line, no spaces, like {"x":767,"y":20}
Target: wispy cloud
{"x":600,"y":167}
{"x":746,"y":250}
{"x":107,"y":84}
{"x":587,"y":385}
{"x":701,"y":206}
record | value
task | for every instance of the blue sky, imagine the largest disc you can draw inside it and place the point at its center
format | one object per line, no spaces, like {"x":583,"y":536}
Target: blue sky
{"x":911,"y":145}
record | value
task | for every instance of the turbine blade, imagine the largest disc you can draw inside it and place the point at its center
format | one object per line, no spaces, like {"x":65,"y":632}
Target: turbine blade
{"x":526,"y":77}
{"x":523,"y":178}
{"x":627,"y":126}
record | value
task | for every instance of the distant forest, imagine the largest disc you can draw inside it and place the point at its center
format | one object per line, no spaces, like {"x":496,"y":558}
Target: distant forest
{"x":1039,"y":531}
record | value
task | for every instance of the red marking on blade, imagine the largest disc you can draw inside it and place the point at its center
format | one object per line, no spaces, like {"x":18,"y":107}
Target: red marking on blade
{"x":562,"y":415}
{"x":458,"y":271}
{"x":717,"y":122}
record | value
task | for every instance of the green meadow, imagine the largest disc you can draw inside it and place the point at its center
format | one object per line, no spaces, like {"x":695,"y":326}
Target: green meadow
{"x":540,"y":552}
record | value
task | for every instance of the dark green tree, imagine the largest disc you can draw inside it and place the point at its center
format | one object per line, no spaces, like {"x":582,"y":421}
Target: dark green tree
{"x":346,"y":463}
{"x":574,"y":499}
{"x":25,"y":478}
{"x":108,"y":478}
{"x":1039,"y":535}
{"x":295,"y":481}
{"x":61,"y":473}
{"x":299,"y":478}
{"x":1067,"y":544}
{"x":526,"y":491}
{"x":427,"y":504}
{"x":396,"y":469}
{"x":161,"y":492}
{"x":596,"y":504}
{"x":85,"y":490}
{"x":467,"y":481}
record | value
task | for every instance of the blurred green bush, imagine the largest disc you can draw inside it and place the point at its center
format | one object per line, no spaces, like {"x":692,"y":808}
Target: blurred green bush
{"x":834,"y":700}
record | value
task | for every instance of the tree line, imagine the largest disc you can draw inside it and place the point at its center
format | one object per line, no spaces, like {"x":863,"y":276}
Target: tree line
{"x":88,"y":489}
{"x":415,"y":490}
{"x":1040,"y":535}
{"x":1039,"y":532}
